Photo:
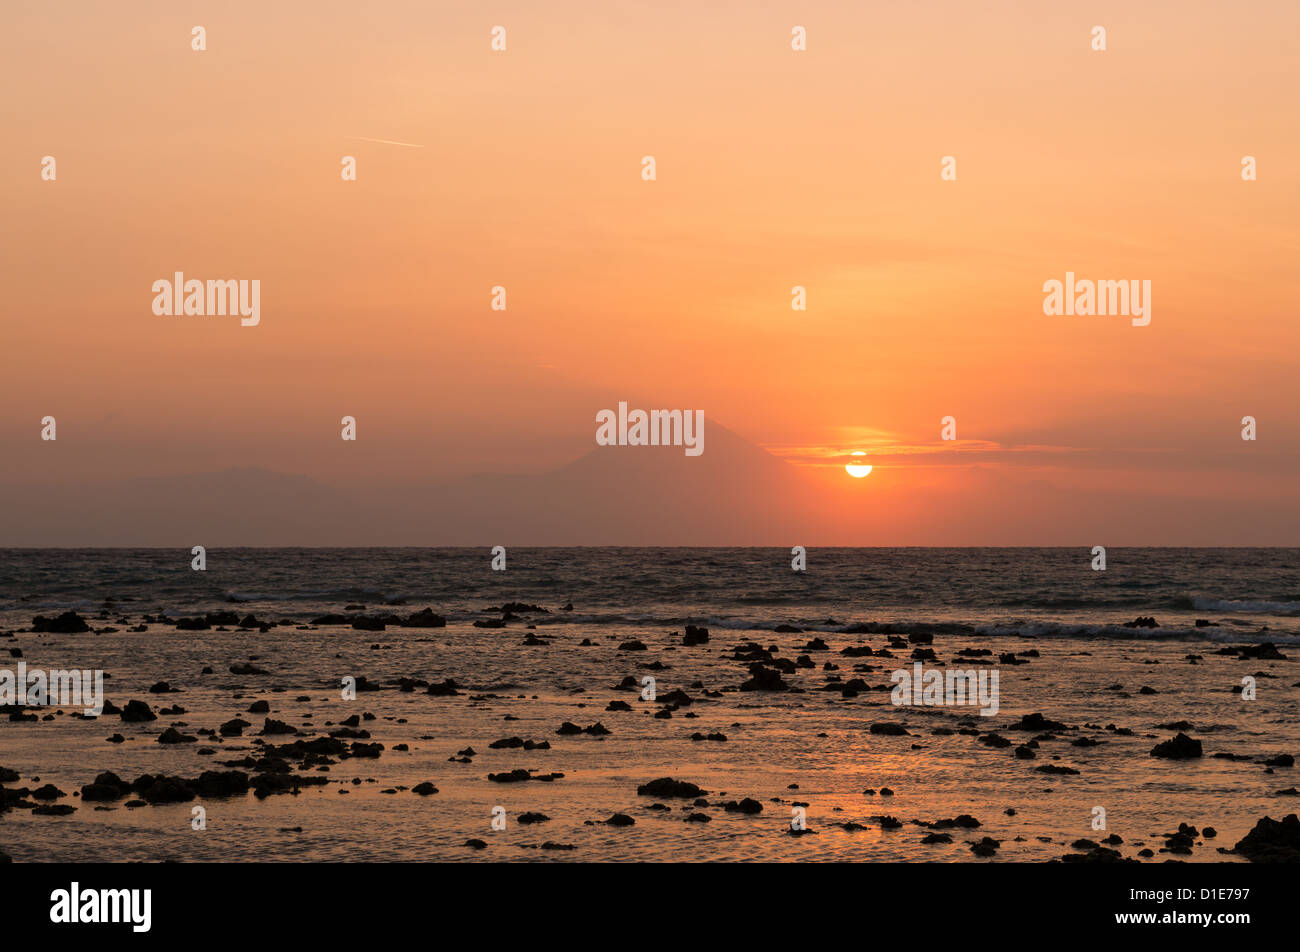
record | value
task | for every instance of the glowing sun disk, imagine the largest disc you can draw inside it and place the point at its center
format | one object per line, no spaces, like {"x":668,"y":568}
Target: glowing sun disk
{"x":857,"y":470}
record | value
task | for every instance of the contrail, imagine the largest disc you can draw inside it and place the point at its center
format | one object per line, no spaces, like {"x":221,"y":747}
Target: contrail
{"x":409,"y":145}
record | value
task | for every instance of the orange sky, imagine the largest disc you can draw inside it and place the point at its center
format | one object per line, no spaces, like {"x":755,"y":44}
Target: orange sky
{"x":775,"y":168}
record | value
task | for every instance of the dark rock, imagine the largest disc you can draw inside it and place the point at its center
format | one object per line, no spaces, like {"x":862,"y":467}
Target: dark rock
{"x":1266,"y":652}
{"x":54,"y":809}
{"x":763,"y":678}
{"x":666,"y":787}
{"x":107,"y":786}
{"x":221,"y":783}
{"x":69,"y":623}
{"x":137,"y":712}
{"x":1142,"y":621}
{"x":234,"y":727}
{"x":1272,"y":841}
{"x":695,"y":636}
{"x":1179,"y":747}
{"x":515,"y":776}
{"x":426,"y":618}
{"x":714,"y":736}
{"x":161,"y":789}
{"x":1100,"y":854}
{"x":524,"y":608}
{"x":889,"y":729}
{"x":1038,"y":723}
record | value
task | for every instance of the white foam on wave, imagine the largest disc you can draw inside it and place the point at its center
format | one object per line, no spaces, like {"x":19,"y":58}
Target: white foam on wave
{"x":1119,"y":632}
{"x":1036,"y":629}
{"x":1219,"y":605}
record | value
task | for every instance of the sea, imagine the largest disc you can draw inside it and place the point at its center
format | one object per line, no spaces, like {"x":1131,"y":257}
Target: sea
{"x":1126,"y":657}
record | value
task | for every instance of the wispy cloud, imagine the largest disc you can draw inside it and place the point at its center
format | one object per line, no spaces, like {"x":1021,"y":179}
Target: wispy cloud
{"x":407,"y":145}
{"x":938,"y":453}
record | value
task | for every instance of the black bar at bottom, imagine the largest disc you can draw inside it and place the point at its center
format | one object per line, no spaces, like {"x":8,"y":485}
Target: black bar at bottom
{"x":334,"y":901}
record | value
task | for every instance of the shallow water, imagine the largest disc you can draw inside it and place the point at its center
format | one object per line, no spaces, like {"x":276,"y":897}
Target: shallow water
{"x":773,"y":739}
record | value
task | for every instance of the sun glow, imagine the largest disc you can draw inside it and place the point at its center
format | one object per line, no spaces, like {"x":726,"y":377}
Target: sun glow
{"x":857,"y":470}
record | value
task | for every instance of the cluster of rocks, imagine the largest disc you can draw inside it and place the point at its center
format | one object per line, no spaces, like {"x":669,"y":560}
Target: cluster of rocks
{"x":425,"y":618}
{"x":280,"y":768}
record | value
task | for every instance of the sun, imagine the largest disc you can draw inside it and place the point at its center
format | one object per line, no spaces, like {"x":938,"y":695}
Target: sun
{"x":857,"y":470}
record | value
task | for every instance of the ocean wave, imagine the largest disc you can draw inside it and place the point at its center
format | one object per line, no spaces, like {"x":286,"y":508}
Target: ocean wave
{"x":1058,"y":604}
{"x":1252,"y":607}
{"x":1227,"y":630}
{"x":1036,"y":629}
{"x":75,"y":605}
{"x":1142,"y":600}
{"x":323,"y":595}
{"x":1120,"y":633}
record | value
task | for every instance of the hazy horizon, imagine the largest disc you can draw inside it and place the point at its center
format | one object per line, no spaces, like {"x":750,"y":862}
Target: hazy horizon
{"x":616,"y":496}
